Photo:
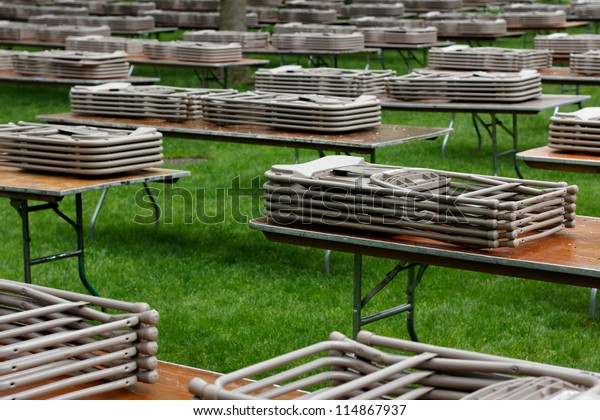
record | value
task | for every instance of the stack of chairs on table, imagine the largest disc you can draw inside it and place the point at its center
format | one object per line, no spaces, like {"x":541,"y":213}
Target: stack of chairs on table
{"x":400,"y":35}
{"x":313,"y":113}
{"x":60,"y":33}
{"x":318,"y":41}
{"x":535,"y":19}
{"x":6,"y":60}
{"x":381,"y":21}
{"x":245,"y":39}
{"x":322,"y":80}
{"x":15,"y":31}
{"x":469,"y":27}
{"x":192,"y":19}
{"x":130,"y":8}
{"x":72,"y":64}
{"x":563,"y":43}
{"x":127,"y":100}
{"x":100,"y":43}
{"x":298,"y":27}
{"x":478,"y":86}
{"x":577,"y":131}
{"x":79,"y":150}
{"x":115,"y":23}
{"x":56,"y":344}
{"x":470,"y":210}
{"x":306,"y":15}
{"x":488,"y":58}
{"x":428,"y":5}
{"x":195,"y":5}
{"x":375,"y":367}
{"x":357,"y":9}
{"x":336,"y":5}
{"x":205,"y":52}
{"x":585,"y":63}
{"x":583,"y":9}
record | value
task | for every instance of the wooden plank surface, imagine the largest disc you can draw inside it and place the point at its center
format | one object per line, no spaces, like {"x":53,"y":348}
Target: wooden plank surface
{"x":547,"y":158}
{"x":15,"y":180}
{"x":570,"y":256}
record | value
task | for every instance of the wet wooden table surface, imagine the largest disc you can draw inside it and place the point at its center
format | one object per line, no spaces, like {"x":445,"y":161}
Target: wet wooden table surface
{"x":571,"y":256}
{"x":547,"y":158}
{"x":364,"y":141}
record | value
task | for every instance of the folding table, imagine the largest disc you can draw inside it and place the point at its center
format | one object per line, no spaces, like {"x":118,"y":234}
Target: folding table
{"x":476,"y":109}
{"x":360,"y":142}
{"x":567,"y":257}
{"x":21,"y":187}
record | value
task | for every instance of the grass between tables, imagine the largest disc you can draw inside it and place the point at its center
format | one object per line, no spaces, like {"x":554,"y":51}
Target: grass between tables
{"x":229,"y":298}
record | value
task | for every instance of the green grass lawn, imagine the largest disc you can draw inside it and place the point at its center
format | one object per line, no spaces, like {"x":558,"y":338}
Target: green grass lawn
{"x":229,"y":298}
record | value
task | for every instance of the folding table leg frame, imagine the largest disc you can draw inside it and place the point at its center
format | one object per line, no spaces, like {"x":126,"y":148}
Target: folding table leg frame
{"x":492,"y":129}
{"x":205,"y":75}
{"x":103,"y":197}
{"x":21,"y":204}
{"x":414,"y":275}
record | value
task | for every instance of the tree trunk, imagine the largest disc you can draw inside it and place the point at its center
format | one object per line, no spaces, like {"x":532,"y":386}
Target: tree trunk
{"x":233,"y":15}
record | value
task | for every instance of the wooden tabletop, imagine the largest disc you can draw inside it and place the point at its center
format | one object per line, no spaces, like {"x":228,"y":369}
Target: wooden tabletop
{"x":548,"y":158}
{"x":19,"y":181}
{"x":570,"y":256}
{"x":363,"y":141}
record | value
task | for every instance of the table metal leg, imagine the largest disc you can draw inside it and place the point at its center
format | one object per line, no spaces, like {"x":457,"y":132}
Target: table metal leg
{"x":96,"y":213}
{"x":593,"y":303}
{"x":414,"y":275}
{"x":447,"y":136}
{"x":492,"y":129}
{"x":23,"y":207}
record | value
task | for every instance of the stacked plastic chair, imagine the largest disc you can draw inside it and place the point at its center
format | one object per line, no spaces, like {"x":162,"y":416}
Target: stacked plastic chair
{"x":583,"y":9}
{"x":373,"y":9}
{"x":470,"y":210}
{"x":72,"y":64}
{"x":128,"y":8}
{"x":313,"y":113}
{"x":400,"y":35}
{"x":385,"y":22}
{"x":306,"y":15}
{"x":563,"y":43}
{"x":16,"y":31}
{"x":375,"y":367}
{"x":56,"y":344}
{"x":318,"y":41}
{"x":577,"y":131}
{"x":6,"y":60}
{"x":116,"y":23}
{"x":466,"y":86}
{"x":204,"y":52}
{"x":428,"y":5}
{"x":322,"y":80}
{"x":475,"y":26}
{"x":99,"y":43}
{"x":127,"y":100}
{"x":585,"y":63}
{"x":488,"y":58}
{"x":196,"y":5}
{"x":245,"y":39}
{"x":61,"y":32}
{"x":79,"y":150}
{"x":535,"y":19}
{"x":299,"y":27}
